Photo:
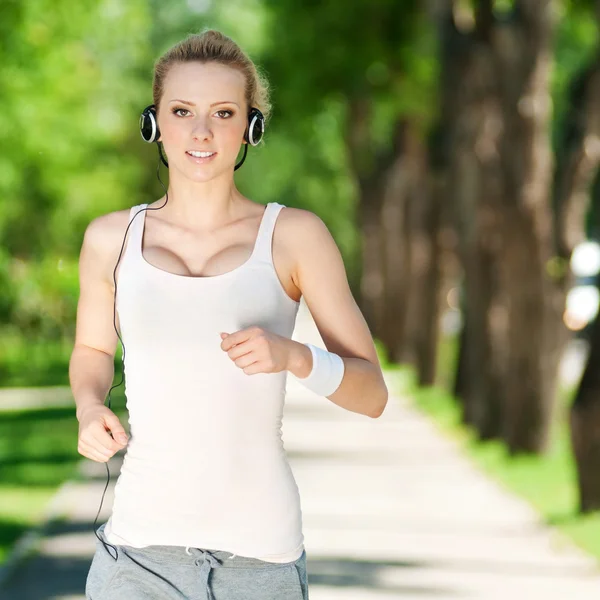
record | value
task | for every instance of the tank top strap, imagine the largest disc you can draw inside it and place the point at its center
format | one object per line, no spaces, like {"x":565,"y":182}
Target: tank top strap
{"x":134,"y":244}
{"x":263,"y":246}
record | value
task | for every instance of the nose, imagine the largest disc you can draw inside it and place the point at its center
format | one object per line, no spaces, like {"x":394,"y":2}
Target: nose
{"x":201,"y":129}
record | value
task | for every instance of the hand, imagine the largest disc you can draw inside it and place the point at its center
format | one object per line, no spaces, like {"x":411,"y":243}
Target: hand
{"x":96,"y":425}
{"x":256,"y":350}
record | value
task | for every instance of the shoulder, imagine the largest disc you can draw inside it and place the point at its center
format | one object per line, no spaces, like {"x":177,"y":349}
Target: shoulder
{"x":104,"y":230}
{"x":306,"y":239}
{"x":299,"y":224}
{"x":103,"y":239}
{"x":302,"y":229}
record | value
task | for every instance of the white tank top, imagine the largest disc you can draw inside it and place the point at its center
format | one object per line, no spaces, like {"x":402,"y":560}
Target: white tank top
{"x":205,"y":465}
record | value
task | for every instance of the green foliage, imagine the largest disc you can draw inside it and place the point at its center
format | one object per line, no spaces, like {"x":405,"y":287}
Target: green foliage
{"x":65,"y":86}
{"x":327,"y":48}
{"x":576,"y":43}
{"x":76,"y":76}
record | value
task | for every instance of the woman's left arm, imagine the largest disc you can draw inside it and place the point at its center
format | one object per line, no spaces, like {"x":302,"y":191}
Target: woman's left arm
{"x":321,"y":276}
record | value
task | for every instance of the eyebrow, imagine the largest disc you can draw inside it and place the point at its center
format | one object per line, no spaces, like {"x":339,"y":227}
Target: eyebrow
{"x":213,"y":104}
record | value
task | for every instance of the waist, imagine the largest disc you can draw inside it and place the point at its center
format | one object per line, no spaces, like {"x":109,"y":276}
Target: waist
{"x":171,"y":549}
{"x":257,"y":516}
{"x":206,"y":481}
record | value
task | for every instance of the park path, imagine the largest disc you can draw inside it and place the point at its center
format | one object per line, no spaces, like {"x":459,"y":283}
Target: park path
{"x":391,"y":509}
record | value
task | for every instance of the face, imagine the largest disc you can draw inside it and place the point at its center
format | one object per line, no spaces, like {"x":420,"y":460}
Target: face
{"x":203,"y":108}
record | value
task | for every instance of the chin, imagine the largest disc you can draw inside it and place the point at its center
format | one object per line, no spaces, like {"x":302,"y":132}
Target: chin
{"x":201,"y":175}
{"x":206,"y":171}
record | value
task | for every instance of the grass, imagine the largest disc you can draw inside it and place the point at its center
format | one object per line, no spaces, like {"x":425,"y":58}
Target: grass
{"x":38,"y":447}
{"x":38,"y":362}
{"x":31,"y":363}
{"x":547,"y":482}
{"x":38,"y":453}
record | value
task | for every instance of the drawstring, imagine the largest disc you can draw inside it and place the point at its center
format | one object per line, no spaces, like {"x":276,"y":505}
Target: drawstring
{"x":209,"y":561}
{"x":187,"y":549}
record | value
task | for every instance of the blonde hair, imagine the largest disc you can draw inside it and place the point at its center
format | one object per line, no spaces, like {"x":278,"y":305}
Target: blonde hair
{"x":213,"y":46}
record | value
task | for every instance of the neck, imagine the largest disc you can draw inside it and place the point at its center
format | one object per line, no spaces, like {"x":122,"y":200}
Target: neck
{"x":203,"y":206}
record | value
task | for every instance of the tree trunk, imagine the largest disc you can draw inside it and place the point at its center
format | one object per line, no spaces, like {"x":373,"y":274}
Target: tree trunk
{"x":478,"y":203}
{"x":372,"y":282}
{"x":577,"y":165}
{"x":579,"y":162}
{"x":460,"y":383}
{"x":422,"y":233}
{"x":398,"y":279}
{"x":472,"y":114}
{"x":428,"y":271}
{"x":524,"y":56}
{"x":585,"y":427}
{"x":371,"y":170}
{"x":528,"y":409}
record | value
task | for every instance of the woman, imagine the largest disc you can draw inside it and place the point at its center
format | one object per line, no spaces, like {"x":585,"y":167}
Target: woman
{"x":206,"y":505}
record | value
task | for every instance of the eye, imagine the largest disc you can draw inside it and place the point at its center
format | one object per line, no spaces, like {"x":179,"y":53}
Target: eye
{"x":229,"y":112}
{"x":176,"y":110}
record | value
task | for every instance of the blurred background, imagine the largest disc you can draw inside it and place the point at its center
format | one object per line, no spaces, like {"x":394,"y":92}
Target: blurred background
{"x":451,"y":147}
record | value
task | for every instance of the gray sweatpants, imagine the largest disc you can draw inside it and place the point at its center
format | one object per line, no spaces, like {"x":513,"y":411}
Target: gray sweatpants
{"x":160,"y":572}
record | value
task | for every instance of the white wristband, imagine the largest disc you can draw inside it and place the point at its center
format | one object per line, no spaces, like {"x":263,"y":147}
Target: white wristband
{"x":326,"y":374}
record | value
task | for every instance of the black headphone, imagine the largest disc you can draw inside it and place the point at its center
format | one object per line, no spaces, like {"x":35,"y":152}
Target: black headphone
{"x":150,"y":133}
{"x":253,"y":134}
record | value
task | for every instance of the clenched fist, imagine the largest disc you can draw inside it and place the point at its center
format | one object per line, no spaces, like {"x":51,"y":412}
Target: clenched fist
{"x":96,"y":426}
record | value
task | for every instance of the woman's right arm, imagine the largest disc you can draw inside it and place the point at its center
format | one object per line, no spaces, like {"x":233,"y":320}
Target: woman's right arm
{"x":91,"y":366}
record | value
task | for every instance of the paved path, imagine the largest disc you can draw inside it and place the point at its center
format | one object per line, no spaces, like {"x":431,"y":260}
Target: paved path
{"x":391,"y":510}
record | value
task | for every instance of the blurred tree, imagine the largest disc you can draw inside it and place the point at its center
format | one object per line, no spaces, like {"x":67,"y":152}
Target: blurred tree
{"x":467,"y":136}
{"x":580,"y":156}
{"x":374,"y":63}
{"x":499,"y":155}
{"x":69,"y":74}
{"x":585,"y":412}
{"x":421,"y":234}
{"x":558,"y":220}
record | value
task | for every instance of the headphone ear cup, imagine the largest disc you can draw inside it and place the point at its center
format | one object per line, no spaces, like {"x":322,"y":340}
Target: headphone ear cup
{"x":149,"y":124}
{"x":256,"y":126}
